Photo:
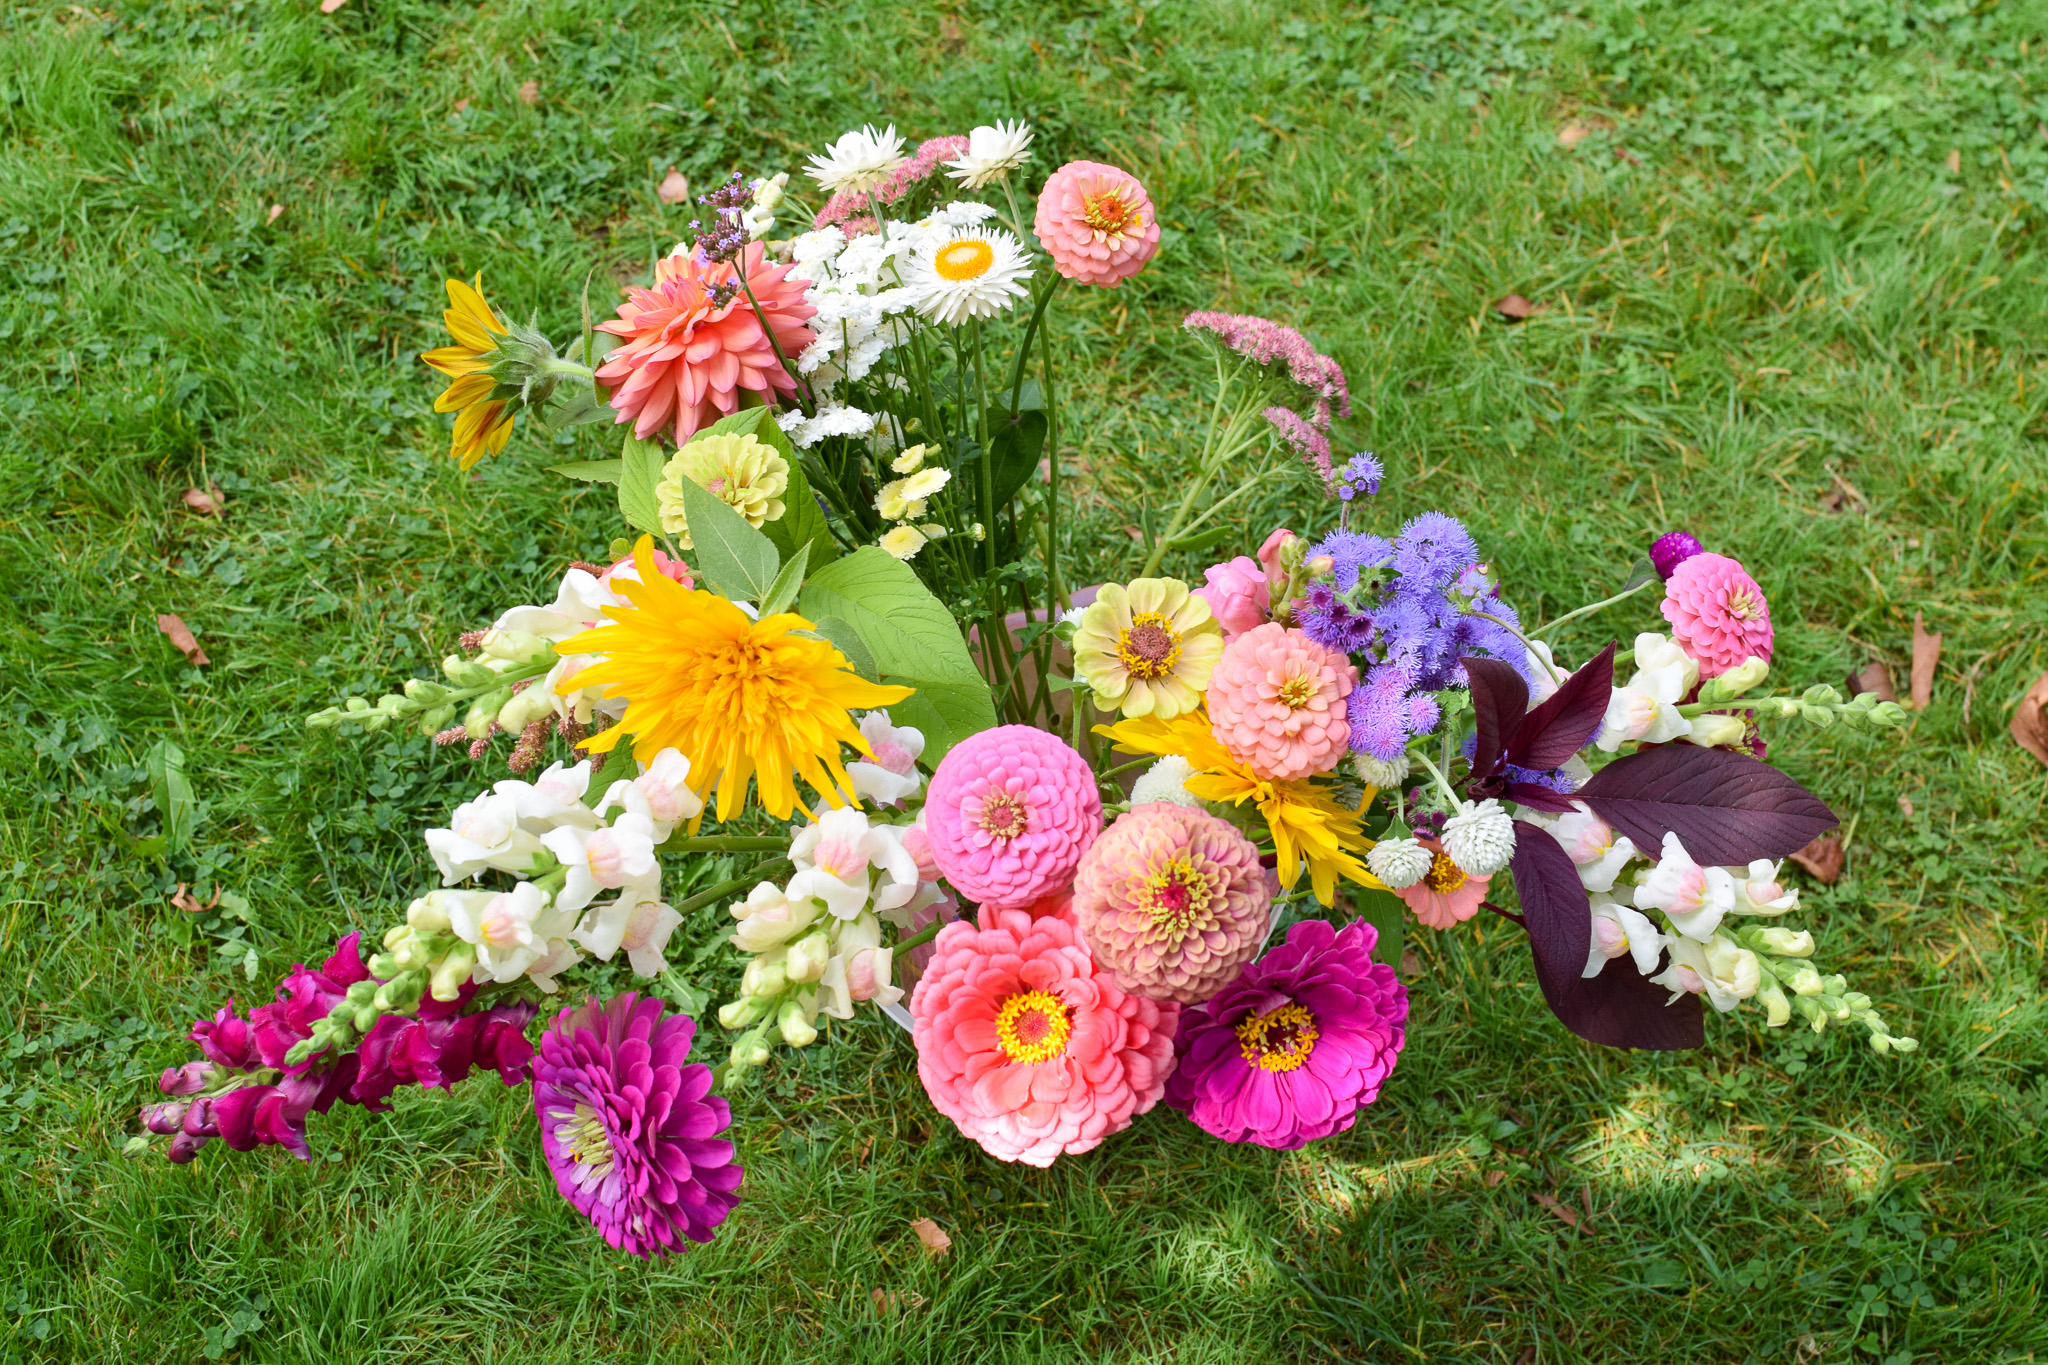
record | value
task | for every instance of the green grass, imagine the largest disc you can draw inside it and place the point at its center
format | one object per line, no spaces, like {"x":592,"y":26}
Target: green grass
{"x":1762,"y":284}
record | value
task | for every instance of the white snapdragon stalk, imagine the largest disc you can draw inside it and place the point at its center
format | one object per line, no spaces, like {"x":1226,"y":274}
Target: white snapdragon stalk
{"x":768,"y":918}
{"x":510,"y":930}
{"x":1721,"y":969}
{"x":1646,"y":708}
{"x":554,"y":798}
{"x":1619,"y":929}
{"x":483,"y":834}
{"x":615,"y":858}
{"x":860,"y":969}
{"x":837,"y":856}
{"x":891,"y":775}
{"x":1694,"y":897}
{"x":662,"y":794}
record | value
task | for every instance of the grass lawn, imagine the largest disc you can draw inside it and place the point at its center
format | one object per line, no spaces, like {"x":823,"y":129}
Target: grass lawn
{"x":1789,"y":276}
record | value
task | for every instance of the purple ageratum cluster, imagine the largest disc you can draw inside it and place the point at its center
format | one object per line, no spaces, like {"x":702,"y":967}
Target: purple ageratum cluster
{"x":1360,"y":474}
{"x":1297,"y":1045}
{"x":630,"y":1128}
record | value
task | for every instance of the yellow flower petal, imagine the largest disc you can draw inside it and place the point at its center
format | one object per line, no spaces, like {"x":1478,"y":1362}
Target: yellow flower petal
{"x":470,"y":320}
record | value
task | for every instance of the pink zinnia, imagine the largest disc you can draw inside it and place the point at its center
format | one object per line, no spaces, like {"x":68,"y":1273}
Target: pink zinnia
{"x":1173,"y":902}
{"x":1096,"y":222}
{"x":1009,"y":813}
{"x":1276,"y":702}
{"x":693,"y":342}
{"x":1446,"y":895}
{"x":1027,"y":1045}
{"x":844,"y":207}
{"x":1717,"y":612}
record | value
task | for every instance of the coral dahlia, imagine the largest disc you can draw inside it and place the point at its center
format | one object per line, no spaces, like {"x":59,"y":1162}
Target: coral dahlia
{"x":1096,"y":223}
{"x":1009,"y":813}
{"x":1277,"y":702}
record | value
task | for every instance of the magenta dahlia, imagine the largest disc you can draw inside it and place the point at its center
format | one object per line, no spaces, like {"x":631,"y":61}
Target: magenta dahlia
{"x":1009,"y":813}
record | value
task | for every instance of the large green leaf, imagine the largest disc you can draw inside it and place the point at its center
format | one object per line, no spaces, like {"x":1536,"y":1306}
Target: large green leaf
{"x":914,"y":641}
{"x":801,"y":522}
{"x":639,"y":471}
{"x":1015,"y":444}
{"x":1384,"y":911}
{"x":738,"y":560}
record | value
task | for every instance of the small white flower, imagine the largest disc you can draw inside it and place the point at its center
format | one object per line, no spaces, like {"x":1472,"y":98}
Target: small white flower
{"x":1696,"y":898}
{"x":903,"y":541}
{"x":510,"y":931}
{"x":561,"y":955}
{"x":993,"y":151}
{"x":1759,"y":892}
{"x":1646,"y":708}
{"x":610,"y":859}
{"x":662,"y":794}
{"x":482,"y":834}
{"x":1720,"y":969}
{"x":834,"y":419}
{"x":1165,"y":780}
{"x":1598,"y":851}
{"x":769,"y":918}
{"x":859,"y":969}
{"x":891,"y":775}
{"x":641,"y":925}
{"x":966,"y":273}
{"x":1072,"y":616}
{"x":834,"y":856}
{"x":1400,"y":863}
{"x":961,"y":213}
{"x":554,"y":798}
{"x":859,"y":160}
{"x":1377,"y":773}
{"x":911,"y":460}
{"x":1619,"y":929}
{"x":1479,"y":838}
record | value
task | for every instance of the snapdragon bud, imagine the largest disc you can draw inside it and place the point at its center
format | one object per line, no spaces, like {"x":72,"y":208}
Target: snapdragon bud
{"x":524,"y":709}
{"x":741,"y":1012}
{"x":518,"y":646}
{"x":766,"y":975}
{"x":1777,"y":1009}
{"x":401,"y":994}
{"x":795,"y":1023}
{"x":1805,"y":981}
{"x":1736,"y":680}
{"x":383,"y":965}
{"x":396,"y":934}
{"x":448,"y":975}
{"x":808,"y":956}
{"x":1785,"y":942}
{"x":424,"y":690}
{"x":1714,"y":730}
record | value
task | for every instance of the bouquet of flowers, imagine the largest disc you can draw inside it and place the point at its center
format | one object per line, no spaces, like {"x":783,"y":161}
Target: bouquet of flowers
{"x":837,"y":709}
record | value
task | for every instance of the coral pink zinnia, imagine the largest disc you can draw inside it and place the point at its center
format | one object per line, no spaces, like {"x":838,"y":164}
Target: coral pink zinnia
{"x":692,"y":342}
{"x":1027,"y":1045}
{"x":1446,"y":894}
{"x":1009,"y":813}
{"x":1096,"y":222}
{"x":1717,"y":612}
{"x":1276,"y":701}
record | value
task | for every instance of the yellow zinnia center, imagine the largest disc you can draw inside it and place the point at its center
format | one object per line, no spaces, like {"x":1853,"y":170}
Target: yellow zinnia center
{"x":1742,"y":605}
{"x":1034,"y":1027}
{"x":1178,"y":896}
{"x":1003,"y":815}
{"x":1109,"y":213}
{"x":1297,"y":692}
{"x":1147,"y":647}
{"x":1444,"y":876}
{"x":1279,"y":1041}
{"x":968,"y":260}
{"x":586,"y":1140}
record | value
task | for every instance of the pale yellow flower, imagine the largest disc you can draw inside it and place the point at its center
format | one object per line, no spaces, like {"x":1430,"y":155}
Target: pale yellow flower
{"x":741,"y":471}
{"x":1148,"y":649}
{"x":904,"y":541}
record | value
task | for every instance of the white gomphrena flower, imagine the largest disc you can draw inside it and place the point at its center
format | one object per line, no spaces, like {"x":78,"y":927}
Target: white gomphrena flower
{"x":1479,"y":838}
{"x":859,"y":160}
{"x":960,"y":273}
{"x":993,"y":151}
{"x":1377,"y":773}
{"x":1165,"y":780}
{"x":1400,"y":863}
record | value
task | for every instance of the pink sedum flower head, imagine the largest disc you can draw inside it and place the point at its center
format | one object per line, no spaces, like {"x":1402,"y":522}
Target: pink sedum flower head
{"x":1030,"y":1047}
{"x":1276,"y":702}
{"x":1295,"y":1047}
{"x":1717,"y":612}
{"x":1238,"y":595}
{"x":1009,"y":813}
{"x":1172,"y":902}
{"x":693,"y":342}
{"x":1446,"y":895}
{"x":1096,"y":222}
{"x":630,"y":1128}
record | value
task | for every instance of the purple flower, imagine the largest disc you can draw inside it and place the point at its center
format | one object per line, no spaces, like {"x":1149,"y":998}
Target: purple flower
{"x":727,"y":233}
{"x":1360,"y":474}
{"x":303,"y":1000}
{"x":1291,"y":1051}
{"x":1378,"y":710}
{"x":226,"y":1041}
{"x":1351,"y":553}
{"x":1324,"y":618}
{"x":1431,"y":550}
{"x":630,"y":1127}
{"x":440,"y":1048}
{"x":1672,"y":549}
{"x":263,"y":1115}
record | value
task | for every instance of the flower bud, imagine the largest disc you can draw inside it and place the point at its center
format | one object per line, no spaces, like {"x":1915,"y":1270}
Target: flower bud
{"x":401,"y":994}
{"x":1804,"y":980}
{"x":795,"y":1023}
{"x":383,"y":966}
{"x":449,"y":974}
{"x":1777,"y":1009}
{"x":1785,"y":942}
{"x":1715,"y":730}
{"x":166,"y":1117}
{"x":741,"y":1012}
{"x":189,"y":1079}
{"x":519,"y":646}
{"x":1321,"y":566}
{"x":749,"y":1052}
{"x":808,"y":956}
{"x":1736,"y":680}
{"x":524,"y":709}
{"x":766,"y":975}
{"x":184,"y":1147}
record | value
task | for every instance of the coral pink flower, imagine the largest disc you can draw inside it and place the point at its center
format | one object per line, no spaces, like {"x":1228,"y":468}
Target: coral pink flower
{"x":1029,"y":1047}
{"x":1238,"y":595}
{"x":1446,"y":894}
{"x":1717,"y":612}
{"x":1009,"y":813}
{"x":1276,"y":701}
{"x":673,"y":569}
{"x":693,"y":342}
{"x":1096,"y":222}
{"x":1173,"y":902}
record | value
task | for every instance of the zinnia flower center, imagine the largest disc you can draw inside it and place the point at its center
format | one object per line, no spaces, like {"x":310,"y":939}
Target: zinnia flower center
{"x":1279,"y":1041}
{"x":1034,"y":1027}
{"x":589,"y":1146}
{"x":1146,"y":647}
{"x":1297,"y":692}
{"x":1742,"y":605}
{"x":1002,"y":815}
{"x":1178,"y":896}
{"x":1444,"y":876}
{"x":968,"y":260}
{"x":1108,"y":212}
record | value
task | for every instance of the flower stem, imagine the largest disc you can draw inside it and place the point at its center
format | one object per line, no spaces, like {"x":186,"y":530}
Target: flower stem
{"x":1588,"y":610}
{"x":920,"y":938}
{"x":1548,"y":667}
{"x":726,"y":888}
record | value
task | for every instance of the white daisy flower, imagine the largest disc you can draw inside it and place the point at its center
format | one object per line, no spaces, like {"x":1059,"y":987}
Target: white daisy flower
{"x":966,"y":273}
{"x":858,"y":161}
{"x":992,"y":153}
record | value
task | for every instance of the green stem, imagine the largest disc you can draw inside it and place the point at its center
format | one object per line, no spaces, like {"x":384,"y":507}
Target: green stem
{"x":804,"y":397}
{"x":725,"y":843}
{"x":1054,"y":582}
{"x":726,"y":888}
{"x":1443,"y":784}
{"x":1548,"y":667}
{"x":1623,"y":595}
{"x":920,"y":938}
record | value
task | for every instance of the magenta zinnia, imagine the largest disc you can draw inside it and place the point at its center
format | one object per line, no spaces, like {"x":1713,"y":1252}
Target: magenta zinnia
{"x":630,"y":1127}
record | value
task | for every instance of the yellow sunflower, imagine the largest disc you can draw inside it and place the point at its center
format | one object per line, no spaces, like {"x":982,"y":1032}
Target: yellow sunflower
{"x":740,"y":698}
{"x":1308,"y":826}
{"x":482,"y":423}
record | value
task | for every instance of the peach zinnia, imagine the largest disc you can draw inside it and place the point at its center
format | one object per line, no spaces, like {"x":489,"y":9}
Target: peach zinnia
{"x":1445,"y":895}
{"x":1096,"y":222}
{"x":1277,"y":703}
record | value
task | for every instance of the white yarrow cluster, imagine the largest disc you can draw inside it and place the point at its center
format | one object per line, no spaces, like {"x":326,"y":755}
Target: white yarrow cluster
{"x":1479,"y":838}
{"x":857,"y":288}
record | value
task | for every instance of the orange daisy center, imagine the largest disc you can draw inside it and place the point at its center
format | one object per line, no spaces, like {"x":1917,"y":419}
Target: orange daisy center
{"x":1109,"y":212}
{"x":1278,"y":1041}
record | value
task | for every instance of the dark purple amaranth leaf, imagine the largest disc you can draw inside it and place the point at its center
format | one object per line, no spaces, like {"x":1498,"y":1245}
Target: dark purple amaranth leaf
{"x":1621,"y":1008}
{"x":1555,"y":910}
{"x":1536,"y":796}
{"x":1499,"y":700}
{"x":1560,"y":726}
{"x":1725,"y":807}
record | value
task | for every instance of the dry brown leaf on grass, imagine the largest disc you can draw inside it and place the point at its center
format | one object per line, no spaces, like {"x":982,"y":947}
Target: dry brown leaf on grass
{"x":330,"y":6}
{"x":1926,"y":657}
{"x":1579,"y":129}
{"x":1565,"y":1211}
{"x":675,"y":187}
{"x":276,"y":212}
{"x":1822,"y":859}
{"x":2030,"y":721}
{"x":205,"y":501}
{"x":191,"y":904}
{"x":1875,"y":677}
{"x":181,"y":635}
{"x":1954,"y":162}
{"x":932,"y":1235}
{"x":1515,"y":308}
{"x":529,"y":92}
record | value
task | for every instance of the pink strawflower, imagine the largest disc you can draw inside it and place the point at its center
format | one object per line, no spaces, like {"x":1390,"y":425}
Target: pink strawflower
{"x":1173,"y":902}
{"x":1238,"y":595}
{"x":693,"y":342}
{"x":1717,"y":613}
{"x":1277,"y":703}
{"x":842,"y":208}
{"x":1009,"y":813}
{"x":1309,"y":443}
{"x":1446,"y":894}
{"x":1263,"y":341}
{"x":1096,"y":223}
{"x":1027,"y":1045}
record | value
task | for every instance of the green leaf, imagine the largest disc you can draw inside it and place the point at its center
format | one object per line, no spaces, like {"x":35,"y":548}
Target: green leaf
{"x":739,"y":561}
{"x":782,"y":591}
{"x":914,"y":640}
{"x":615,"y":766}
{"x":639,"y":471}
{"x":590,"y":471}
{"x":1015,"y":444}
{"x":1384,"y":911}
{"x":175,"y":803}
{"x":847,"y":641}
{"x":579,"y":405}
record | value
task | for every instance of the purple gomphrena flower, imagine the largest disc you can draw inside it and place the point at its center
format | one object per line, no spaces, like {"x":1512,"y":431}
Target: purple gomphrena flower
{"x":1672,"y":549}
{"x":1432,"y":549}
{"x":630,"y":1127}
{"x":1312,"y":445}
{"x":1300,"y":1043}
{"x":1263,"y":341}
{"x":1361,"y":474}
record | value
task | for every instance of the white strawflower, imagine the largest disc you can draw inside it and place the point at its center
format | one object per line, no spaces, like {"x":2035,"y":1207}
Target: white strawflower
{"x":1376,"y":773}
{"x":1400,"y":863}
{"x":992,"y":153}
{"x":858,"y":161}
{"x":1479,"y":839}
{"x":1165,"y":780}
{"x":835,"y":419}
{"x":961,"y":273}
{"x":903,"y":541}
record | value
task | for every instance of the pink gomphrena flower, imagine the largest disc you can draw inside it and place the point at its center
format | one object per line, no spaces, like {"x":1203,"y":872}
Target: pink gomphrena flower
{"x":1096,"y":222}
{"x":841,"y":209}
{"x":1263,"y":341}
{"x":1309,"y":443}
{"x":1717,"y":613}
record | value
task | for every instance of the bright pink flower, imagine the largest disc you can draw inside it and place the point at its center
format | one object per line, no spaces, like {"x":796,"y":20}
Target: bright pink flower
{"x":670,"y":568}
{"x":1277,"y":703}
{"x":1096,"y":222}
{"x":1009,"y":813}
{"x":1312,"y":445}
{"x":1717,"y":613}
{"x":843,"y":207}
{"x":693,"y":342}
{"x":1238,"y":595}
{"x":1445,"y":895}
{"x":1027,"y":1045}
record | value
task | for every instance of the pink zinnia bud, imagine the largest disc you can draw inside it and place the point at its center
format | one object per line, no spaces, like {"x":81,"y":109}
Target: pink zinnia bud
{"x":1096,"y":222}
